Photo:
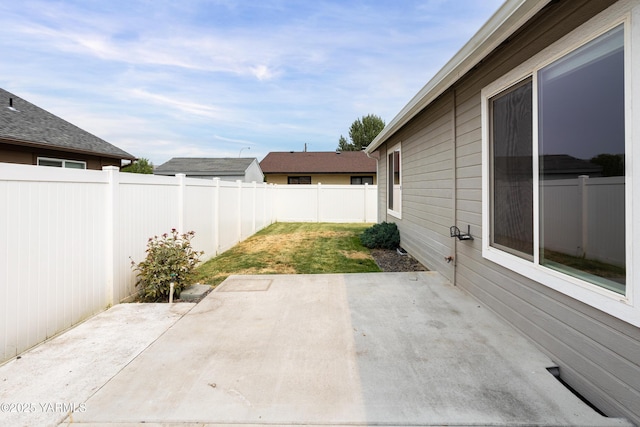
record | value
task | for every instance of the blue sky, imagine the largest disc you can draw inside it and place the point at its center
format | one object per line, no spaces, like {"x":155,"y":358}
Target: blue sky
{"x":220,"y":78}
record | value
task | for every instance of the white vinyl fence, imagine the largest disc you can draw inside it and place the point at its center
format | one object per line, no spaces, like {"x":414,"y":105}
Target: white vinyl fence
{"x":585,"y":217}
{"x":68,"y":236}
{"x":326,"y":203}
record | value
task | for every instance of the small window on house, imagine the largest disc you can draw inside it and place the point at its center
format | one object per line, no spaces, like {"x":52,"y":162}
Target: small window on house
{"x":74,"y":165}
{"x":60,"y":163}
{"x":361,"y":180}
{"x":50,"y":162}
{"x":299,"y":180}
{"x":394,"y":182}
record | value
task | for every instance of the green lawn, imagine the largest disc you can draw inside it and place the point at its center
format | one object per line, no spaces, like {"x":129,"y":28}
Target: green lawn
{"x":293,"y":248}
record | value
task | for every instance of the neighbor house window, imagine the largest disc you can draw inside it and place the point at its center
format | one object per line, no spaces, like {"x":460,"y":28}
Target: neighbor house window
{"x":394,"y":181}
{"x":361,"y":180}
{"x":60,"y":163}
{"x":299,"y":180}
{"x":554,"y":175}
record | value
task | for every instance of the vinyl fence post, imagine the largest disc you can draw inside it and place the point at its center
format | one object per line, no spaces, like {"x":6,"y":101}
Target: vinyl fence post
{"x":181,"y":201}
{"x":239,"y":215}
{"x":274,"y":201}
{"x":263,"y":222}
{"x":366,"y":190}
{"x":254,"y":202}
{"x":111,"y":226}
{"x":216,"y":215}
{"x":583,"y":220}
{"x":319,"y":189}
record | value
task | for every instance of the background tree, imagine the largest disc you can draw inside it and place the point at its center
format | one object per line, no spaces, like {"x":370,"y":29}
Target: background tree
{"x":361,"y":133}
{"x":141,"y":165}
{"x":612,"y":164}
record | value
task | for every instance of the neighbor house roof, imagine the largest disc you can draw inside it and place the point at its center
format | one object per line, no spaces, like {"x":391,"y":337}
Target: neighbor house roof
{"x":23,"y":123}
{"x":318,"y":162}
{"x":205,"y":166}
{"x":511,"y":16}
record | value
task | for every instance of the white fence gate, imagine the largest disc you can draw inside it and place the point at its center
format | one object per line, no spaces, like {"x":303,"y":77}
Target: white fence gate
{"x":68,"y":236}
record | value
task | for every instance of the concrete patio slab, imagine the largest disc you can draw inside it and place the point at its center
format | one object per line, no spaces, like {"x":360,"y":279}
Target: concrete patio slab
{"x":45,"y":383}
{"x":360,"y":349}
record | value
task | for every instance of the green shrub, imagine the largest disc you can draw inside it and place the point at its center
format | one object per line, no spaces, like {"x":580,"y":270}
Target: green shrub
{"x":170,"y":258}
{"x":384,"y":235}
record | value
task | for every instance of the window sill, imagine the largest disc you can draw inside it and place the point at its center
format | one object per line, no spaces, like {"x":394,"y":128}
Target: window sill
{"x":394,"y":214}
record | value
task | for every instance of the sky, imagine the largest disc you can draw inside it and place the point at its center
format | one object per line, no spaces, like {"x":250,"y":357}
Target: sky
{"x":227,"y":78}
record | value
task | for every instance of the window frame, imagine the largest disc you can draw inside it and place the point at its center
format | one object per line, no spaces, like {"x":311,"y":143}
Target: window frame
{"x":397,"y":211}
{"x":298,"y":177}
{"x":361,"y":178}
{"x":624,"y":307}
{"x":63,"y":162}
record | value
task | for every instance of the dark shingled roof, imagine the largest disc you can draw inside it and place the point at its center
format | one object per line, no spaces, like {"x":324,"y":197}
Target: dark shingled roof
{"x":205,"y":166}
{"x":28,"y":124}
{"x":318,"y":162}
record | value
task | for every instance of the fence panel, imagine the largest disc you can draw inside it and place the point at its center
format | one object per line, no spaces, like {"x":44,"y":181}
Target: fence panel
{"x":228,"y":215}
{"x":145,"y":207}
{"x":297,"y":203}
{"x":263,"y":207}
{"x":327,"y":203}
{"x":51,"y":253}
{"x":199,"y":215}
{"x":606,"y":220}
{"x":560,"y":200}
{"x":588,"y":217}
{"x":247,"y":210}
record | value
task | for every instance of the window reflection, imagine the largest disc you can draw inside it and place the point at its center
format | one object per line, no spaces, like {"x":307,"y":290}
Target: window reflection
{"x":581,"y":147}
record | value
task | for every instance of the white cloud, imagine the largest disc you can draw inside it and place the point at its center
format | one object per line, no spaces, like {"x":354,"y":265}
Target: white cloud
{"x":169,"y":103}
{"x":262,"y":72}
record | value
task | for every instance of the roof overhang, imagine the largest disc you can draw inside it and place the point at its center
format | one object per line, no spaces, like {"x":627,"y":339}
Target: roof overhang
{"x":23,"y":143}
{"x":511,"y":16}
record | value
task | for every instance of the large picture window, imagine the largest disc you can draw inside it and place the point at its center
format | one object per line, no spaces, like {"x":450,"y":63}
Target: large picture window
{"x":555,"y":181}
{"x":581,"y":157}
{"x":581,"y":203}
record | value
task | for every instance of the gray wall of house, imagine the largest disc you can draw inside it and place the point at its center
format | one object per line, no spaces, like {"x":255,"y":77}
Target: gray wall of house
{"x":598,"y":355}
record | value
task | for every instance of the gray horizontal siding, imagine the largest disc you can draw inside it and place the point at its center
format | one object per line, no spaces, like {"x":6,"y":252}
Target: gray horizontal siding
{"x":598,"y":354}
{"x":428,"y":187}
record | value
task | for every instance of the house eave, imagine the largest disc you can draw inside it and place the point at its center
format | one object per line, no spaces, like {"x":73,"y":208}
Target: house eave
{"x":511,"y":16}
{"x":24,"y":143}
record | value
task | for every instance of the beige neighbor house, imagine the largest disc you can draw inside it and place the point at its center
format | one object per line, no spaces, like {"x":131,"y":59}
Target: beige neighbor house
{"x":244,"y":169}
{"x":32,"y":136}
{"x":320,"y":167}
{"x":524,"y":148}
